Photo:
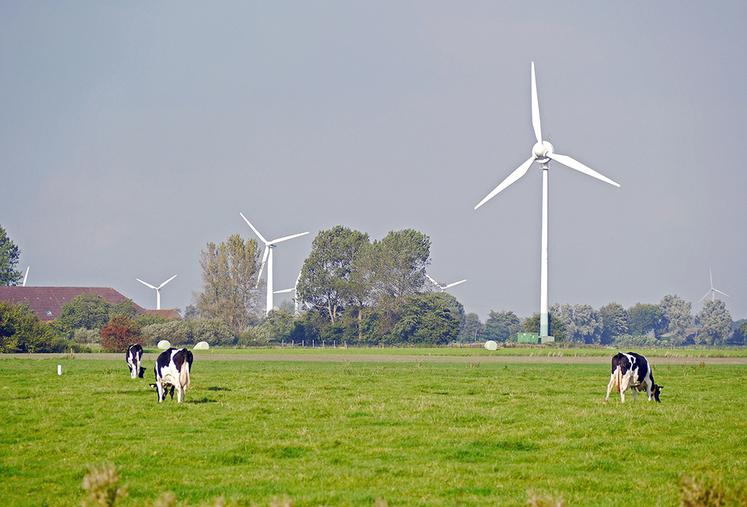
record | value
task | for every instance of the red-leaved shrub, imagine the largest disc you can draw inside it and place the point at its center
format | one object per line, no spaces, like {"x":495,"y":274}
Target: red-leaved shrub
{"x":119,"y":333}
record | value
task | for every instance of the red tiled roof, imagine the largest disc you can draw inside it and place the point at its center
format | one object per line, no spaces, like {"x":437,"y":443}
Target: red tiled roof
{"x":169,"y":314}
{"x":47,"y":302}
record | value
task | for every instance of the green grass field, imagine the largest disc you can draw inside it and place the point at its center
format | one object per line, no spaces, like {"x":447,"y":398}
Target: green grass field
{"x":578,"y":351}
{"x":351,"y":433}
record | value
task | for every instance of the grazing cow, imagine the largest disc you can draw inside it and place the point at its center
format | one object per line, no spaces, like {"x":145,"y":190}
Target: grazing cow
{"x":632,"y":370}
{"x":172,"y":371}
{"x":134,"y":358}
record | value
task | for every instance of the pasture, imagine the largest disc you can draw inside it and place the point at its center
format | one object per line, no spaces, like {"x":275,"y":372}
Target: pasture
{"x":344,"y":433}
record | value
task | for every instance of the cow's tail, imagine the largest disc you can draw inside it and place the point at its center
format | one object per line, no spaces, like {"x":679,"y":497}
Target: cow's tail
{"x":184,"y":375}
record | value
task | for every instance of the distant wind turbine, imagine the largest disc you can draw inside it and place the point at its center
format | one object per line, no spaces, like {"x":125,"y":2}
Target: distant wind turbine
{"x":26,"y":276}
{"x":157,"y":289}
{"x":267,"y":259}
{"x":294,"y":290}
{"x":542,"y":153}
{"x":447,"y":286}
{"x":713,"y":290}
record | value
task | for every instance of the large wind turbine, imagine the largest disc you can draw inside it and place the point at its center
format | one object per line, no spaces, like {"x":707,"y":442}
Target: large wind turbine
{"x":542,"y":153}
{"x":443,"y":288}
{"x":267,"y":258}
{"x":713,"y":290}
{"x":157,"y":289}
{"x":26,"y":276}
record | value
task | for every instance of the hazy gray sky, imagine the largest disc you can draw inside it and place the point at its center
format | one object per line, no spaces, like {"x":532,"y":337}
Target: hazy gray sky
{"x":133,"y":133}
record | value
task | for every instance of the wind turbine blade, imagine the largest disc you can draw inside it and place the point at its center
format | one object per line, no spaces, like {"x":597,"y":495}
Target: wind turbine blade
{"x":710,"y":276}
{"x":455,"y":283}
{"x":167,"y":281}
{"x":286,"y":238}
{"x":146,"y":283}
{"x":265,"y":254}
{"x":26,"y":276}
{"x":283,"y":291}
{"x":706,"y":295}
{"x":578,"y":166}
{"x":535,"y":109}
{"x":722,"y":293}
{"x":432,"y":280}
{"x":518,"y":173}
{"x":253,"y":228}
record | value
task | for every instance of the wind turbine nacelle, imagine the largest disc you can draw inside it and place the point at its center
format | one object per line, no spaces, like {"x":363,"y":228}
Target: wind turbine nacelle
{"x":541,"y":151}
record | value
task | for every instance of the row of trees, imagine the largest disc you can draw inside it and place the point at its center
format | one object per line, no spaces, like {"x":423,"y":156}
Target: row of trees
{"x":670,"y":322}
{"x":352,"y":290}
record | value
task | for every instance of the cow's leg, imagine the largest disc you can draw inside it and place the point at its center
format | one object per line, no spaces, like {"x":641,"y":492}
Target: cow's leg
{"x":624,"y":383}
{"x":161,"y":392}
{"x":649,"y":391}
{"x":179,"y":394}
{"x":635,"y":394}
{"x":171,"y":392}
{"x":610,"y":386}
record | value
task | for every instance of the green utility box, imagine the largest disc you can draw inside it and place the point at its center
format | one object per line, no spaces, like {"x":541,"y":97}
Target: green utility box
{"x":528,"y":338}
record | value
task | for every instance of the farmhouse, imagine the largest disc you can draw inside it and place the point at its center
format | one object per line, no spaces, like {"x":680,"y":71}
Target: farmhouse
{"x":47,"y":302}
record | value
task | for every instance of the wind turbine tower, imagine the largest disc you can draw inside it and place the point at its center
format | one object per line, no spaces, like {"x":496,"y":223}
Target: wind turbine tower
{"x":542,"y":153}
{"x":267,"y":259}
{"x":157,"y":289}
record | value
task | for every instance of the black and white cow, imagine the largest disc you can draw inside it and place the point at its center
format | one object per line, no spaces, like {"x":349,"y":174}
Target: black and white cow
{"x":632,"y":370}
{"x":172,"y":371}
{"x":134,"y":358}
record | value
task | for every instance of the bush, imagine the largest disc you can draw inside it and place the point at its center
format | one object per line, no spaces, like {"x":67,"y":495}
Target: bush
{"x":213,"y":331}
{"x":175,"y":331}
{"x":636,"y":341}
{"x":22,"y":331}
{"x":119,"y":333}
{"x":86,"y":336}
{"x":87,"y":310}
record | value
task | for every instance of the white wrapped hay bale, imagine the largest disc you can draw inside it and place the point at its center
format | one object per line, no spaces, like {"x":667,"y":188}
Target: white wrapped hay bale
{"x":491,"y":345}
{"x":201,"y":346}
{"x":164,"y":344}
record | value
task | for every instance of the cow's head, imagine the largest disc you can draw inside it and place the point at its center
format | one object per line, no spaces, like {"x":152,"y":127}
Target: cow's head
{"x":657,"y":390}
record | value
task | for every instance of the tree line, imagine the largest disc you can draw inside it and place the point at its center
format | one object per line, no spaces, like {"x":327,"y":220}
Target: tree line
{"x":352,"y":290}
{"x":668,"y":323}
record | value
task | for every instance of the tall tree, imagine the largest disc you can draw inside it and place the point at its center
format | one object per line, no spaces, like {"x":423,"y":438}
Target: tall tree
{"x":715,"y":323}
{"x":399,"y":263}
{"x":87,"y":311}
{"x":229,"y":271}
{"x":428,"y":318}
{"x":502,"y":326}
{"x":9,"y":254}
{"x":644,"y":319}
{"x":614,"y":322}
{"x":327,"y":275}
{"x":677,"y":318}
{"x":587,"y":325}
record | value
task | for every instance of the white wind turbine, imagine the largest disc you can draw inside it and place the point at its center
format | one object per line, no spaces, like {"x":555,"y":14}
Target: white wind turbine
{"x":542,"y":153}
{"x":294,"y":290}
{"x":267,"y":258}
{"x":157,"y":289}
{"x":26,"y":276}
{"x":447,"y":286}
{"x":713,"y":290}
